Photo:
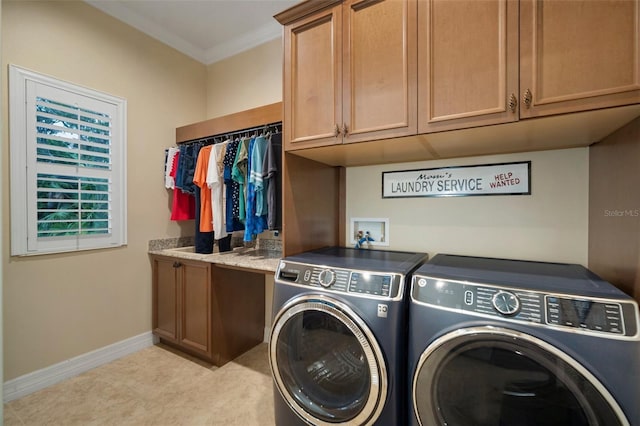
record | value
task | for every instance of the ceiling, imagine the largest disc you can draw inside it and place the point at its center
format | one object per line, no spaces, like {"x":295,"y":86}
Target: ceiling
{"x":206,"y":30}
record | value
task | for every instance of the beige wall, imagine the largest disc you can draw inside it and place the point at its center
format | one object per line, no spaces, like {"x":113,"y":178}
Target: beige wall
{"x":60,"y":306}
{"x":551,"y":224}
{"x":247,"y":80}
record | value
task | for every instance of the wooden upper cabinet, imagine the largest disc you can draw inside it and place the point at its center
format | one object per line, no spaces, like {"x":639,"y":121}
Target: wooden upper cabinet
{"x":467,"y":63}
{"x":312,"y":80}
{"x":349,"y":71}
{"x":366,"y":70}
{"x":495,"y":61}
{"x":379,"y":69}
{"x":578,"y":55}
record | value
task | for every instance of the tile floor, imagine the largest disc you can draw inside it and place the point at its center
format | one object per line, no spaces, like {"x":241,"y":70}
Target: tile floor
{"x":155,"y":386}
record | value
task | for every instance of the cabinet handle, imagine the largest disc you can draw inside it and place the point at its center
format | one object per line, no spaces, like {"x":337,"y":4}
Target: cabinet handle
{"x":345,"y":129}
{"x":177,"y":264}
{"x":513,"y":102}
{"x":527,"y":98}
{"x":336,"y":131}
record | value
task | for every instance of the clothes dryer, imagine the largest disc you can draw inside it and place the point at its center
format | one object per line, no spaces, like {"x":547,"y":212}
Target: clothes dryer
{"x":503,"y":342}
{"x":338,"y":339}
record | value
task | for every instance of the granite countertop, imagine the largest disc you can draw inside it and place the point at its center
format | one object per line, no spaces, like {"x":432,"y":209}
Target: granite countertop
{"x":263,"y":260}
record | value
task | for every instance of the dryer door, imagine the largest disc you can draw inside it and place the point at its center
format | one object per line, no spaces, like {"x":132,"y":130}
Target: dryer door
{"x":326,"y":362}
{"x":487,"y":376}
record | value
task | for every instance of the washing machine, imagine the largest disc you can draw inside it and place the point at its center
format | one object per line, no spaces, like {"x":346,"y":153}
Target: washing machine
{"x":505,"y":342}
{"x":337,"y":348}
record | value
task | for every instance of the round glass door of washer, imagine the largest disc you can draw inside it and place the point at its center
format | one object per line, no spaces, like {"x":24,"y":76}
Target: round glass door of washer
{"x":487,"y":376}
{"x":326,"y":363}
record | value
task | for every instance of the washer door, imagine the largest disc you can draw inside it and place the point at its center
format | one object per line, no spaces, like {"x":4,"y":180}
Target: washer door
{"x":326,"y":362}
{"x":487,"y":376}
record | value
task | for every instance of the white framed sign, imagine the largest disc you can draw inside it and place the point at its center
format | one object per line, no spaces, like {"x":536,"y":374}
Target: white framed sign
{"x":459,"y":181}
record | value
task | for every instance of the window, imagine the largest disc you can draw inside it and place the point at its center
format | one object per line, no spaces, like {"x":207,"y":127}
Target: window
{"x":68,"y":166}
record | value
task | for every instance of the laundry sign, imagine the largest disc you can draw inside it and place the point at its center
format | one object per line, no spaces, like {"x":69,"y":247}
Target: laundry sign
{"x":462,"y":181}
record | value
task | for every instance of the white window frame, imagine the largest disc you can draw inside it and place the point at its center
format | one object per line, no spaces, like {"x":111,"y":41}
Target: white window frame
{"x":25,"y":168}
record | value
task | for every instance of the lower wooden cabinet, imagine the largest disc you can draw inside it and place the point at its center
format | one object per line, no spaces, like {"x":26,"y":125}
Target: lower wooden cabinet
{"x":210,"y":312}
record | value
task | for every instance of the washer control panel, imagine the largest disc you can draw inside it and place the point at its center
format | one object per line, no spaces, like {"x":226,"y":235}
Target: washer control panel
{"x":366,"y":283}
{"x":563,"y":311}
{"x":326,"y":277}
{"x":585,"y":314}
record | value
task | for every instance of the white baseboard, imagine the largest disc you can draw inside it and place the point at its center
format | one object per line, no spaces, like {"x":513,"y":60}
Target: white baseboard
{"x":40,"y":379}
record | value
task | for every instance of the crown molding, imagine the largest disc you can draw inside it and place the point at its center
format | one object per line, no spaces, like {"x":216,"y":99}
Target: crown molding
{"x":149,"y":27}
{"x":224,"y":50}
{"x":257,"y":37}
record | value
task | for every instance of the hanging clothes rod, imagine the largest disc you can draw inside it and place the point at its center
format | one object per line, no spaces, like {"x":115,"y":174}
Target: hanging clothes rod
{"x":250,"y":131}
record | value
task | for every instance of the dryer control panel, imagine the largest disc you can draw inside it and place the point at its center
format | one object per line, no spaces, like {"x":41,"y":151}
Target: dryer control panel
{"x":365,"y":283}
{"x":581,"y":314}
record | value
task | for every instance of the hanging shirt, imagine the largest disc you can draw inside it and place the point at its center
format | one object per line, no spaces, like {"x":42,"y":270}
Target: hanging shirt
{"x":254,"y":224}
{"x":255,"y":175}
{"x":215,"y":182}
{"x":272,"y":181}
{"x":200,"y":179}
{"x":186,"y":167}
{"x":239,"y":175}
{"x":232,"y":200}
{"x":183,"y":205}
{"x":170,"y":167}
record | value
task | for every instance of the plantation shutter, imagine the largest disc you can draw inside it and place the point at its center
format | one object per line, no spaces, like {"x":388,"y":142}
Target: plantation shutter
{"x":74,"y":176}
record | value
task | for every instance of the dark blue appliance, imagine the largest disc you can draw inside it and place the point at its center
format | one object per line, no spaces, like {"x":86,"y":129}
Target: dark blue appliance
{"x":338,"y":339}
{"x":505,"y":342}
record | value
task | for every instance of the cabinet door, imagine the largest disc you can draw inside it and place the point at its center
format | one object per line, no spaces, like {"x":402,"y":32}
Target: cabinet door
{"x":165,"y":299}
{"x":578,"y":55}
{"x":379,"y":69}
{"x":467,"y":63}
{"x":195,"y":319}
{"x":312,"y":80}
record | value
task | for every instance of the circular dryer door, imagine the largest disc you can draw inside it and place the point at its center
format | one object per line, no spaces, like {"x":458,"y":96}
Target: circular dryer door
{"x":326,"y":362}
{"x":487,"y":376}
